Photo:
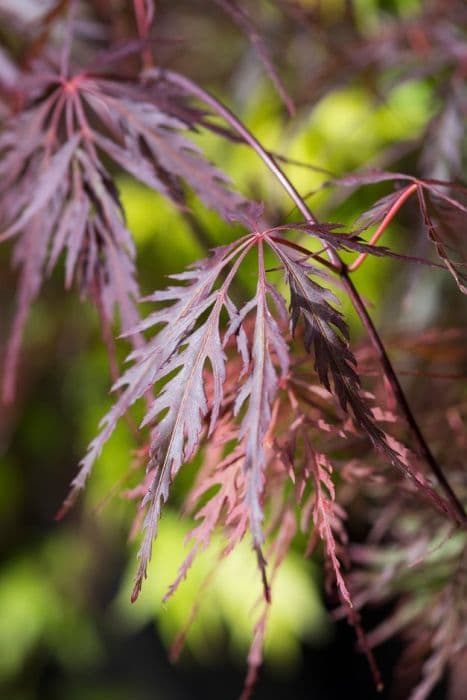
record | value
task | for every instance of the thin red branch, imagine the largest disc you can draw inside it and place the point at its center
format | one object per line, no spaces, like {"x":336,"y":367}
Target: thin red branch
{"x":384,"y":224}
{"x":306,"y":253}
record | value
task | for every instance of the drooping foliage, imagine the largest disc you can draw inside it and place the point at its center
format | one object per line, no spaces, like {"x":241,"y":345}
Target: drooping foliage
{"x":262,"y":386}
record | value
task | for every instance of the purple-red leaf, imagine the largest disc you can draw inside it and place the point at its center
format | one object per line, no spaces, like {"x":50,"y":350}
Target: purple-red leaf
{"x":446,"y":228}
{"x":260,"y":390}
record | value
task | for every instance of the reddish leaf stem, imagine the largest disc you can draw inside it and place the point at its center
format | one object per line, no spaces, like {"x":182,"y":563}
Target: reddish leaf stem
{"x":306,"y":253}
{"x":340,"y":268}
{"x":384,"y":224}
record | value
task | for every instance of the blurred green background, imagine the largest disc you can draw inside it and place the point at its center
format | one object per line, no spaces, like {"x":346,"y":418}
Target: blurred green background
{"x":67,"y":628}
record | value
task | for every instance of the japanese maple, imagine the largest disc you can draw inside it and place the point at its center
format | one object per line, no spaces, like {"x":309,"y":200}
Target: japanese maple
{"x":262,"y":388}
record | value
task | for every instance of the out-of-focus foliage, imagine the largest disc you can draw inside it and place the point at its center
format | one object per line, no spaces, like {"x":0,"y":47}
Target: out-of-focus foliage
{"x":234,"y":593}
{"x":42,"y":604}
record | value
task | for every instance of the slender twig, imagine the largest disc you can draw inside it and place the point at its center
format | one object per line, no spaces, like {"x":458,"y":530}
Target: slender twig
{"x":67,"y":40}
{"x":305,"y":252}
{"x":384,"y":224}
{"x":340,"y":268}
{"x":251,"y":140}
{"x":143,"y":24}
{"x":235,"y":138}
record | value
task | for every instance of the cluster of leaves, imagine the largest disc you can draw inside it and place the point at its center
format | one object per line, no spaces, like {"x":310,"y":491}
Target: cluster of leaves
{"x":59,"y":196}
{"x":223,"y":376}
{"x":410,"y":560}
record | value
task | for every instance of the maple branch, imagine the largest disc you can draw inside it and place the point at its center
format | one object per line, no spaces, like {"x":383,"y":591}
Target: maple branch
{"x":143,"y":24}
{"x":246,"y":135}
{"x":67,"y":40}
{"x":384,"y":224}
{"x":339,"y":267}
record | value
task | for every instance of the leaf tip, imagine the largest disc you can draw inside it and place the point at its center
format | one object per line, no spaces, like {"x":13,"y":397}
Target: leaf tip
{"x":136,"y":590}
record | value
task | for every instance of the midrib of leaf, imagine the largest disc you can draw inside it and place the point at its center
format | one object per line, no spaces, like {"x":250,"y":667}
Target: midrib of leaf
{"x":260,"y":317}
{"x":258,"y":394}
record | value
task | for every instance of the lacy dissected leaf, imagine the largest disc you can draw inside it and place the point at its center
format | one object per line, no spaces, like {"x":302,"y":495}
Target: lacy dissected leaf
{"x":107,"y":256}
{"x":326,"y":334}
{"x":226,"y":506}
{"x":176,"y":438}
{"x":30,"y":253}
{"x":321,"y":516}
{"x":175,"y":322}
{"x":52,"y":174}
{"x":260,"y":390}
{"x":28,"y":165}
{"x":408,"y":548}
{"x":188,"y":344}
{"x":73,"y":209}
{"x":448,"y":638}
{"x":35,"y":217}
{"x":444,"y":219}
{"x":50,"y":160}
{"x":327,"y":515}
{"x":152,"y":147}
{"x":443,"y":215}
{"x":186,"y":362}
